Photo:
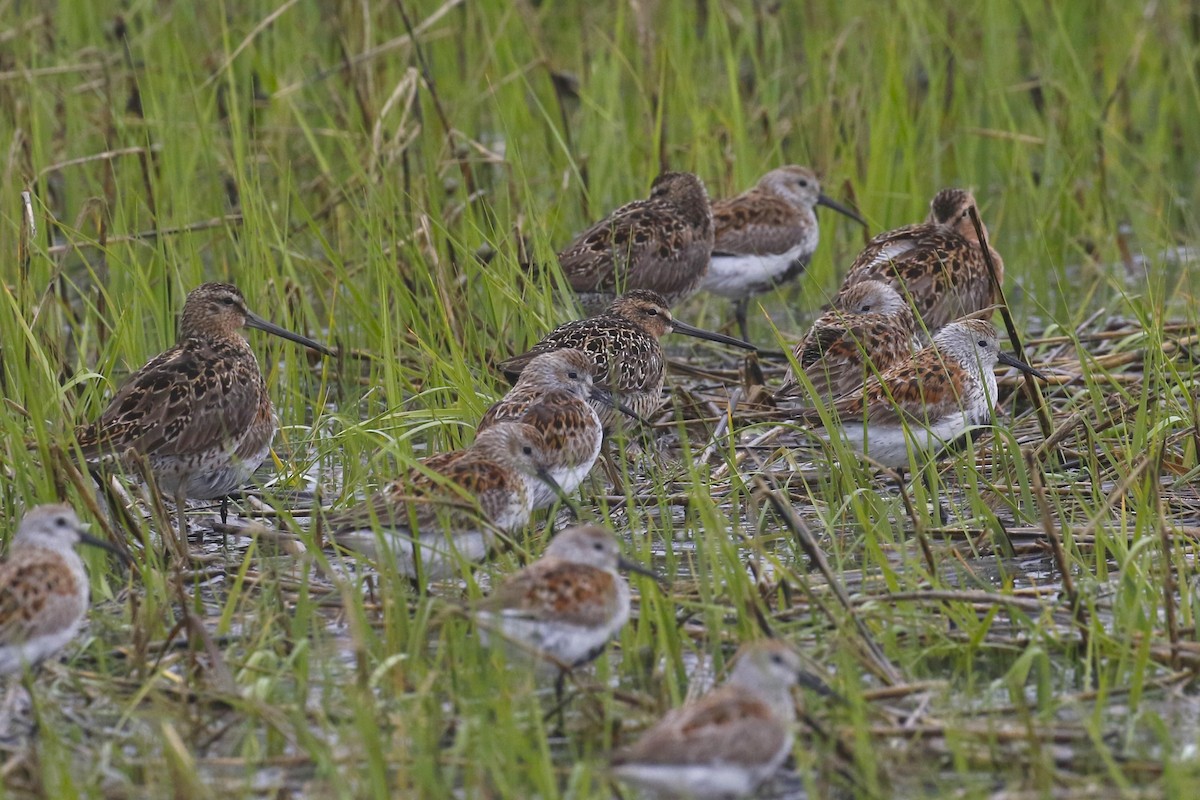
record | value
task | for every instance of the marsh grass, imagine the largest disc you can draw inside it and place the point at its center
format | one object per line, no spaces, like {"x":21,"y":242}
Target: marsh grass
{"x":385,"y":197}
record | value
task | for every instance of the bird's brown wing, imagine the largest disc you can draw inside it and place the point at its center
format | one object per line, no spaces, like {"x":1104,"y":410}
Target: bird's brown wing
{"x":723,"y":726}
{"x":558,"y":590}
{"x":754,"y":223}
{"x":183,"y":401}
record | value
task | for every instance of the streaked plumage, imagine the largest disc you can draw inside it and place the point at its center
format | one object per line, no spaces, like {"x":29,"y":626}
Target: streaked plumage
{"x":553,"y":394}
{"x":726,"y":744}
{"x":662,"y":243}
{"x":766,"y":236}
{"x":451,"y":507}
{"x":937,"y":265}
{"x":567,"y":605}
{"x":199,"y":412}
{"x":928,"y":400}
{"x":43,"y":587}
{"x":624,"y":344}
{"x":869,"y":328}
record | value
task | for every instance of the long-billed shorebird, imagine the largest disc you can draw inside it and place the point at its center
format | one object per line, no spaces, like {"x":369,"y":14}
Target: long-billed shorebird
{"x":566,"y":606}
{"x":662,"y":243}
{"x":553,"y":395}
{"x":869,"y":328}
{"x":727,"y":743}
{"x":938,"y":265}
{"x":927,"y":401}
{"x":624,"y":344}
{"x":765,"y":237}
{"x":43,"y":587}
{"x":199,"y":413}
{"x":451,"y":509}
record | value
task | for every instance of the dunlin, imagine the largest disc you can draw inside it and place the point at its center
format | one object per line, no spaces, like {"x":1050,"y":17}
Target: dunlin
{"x":937,"y":266}
{"x":198,"y":413}
{"x":566,"y":606}
{"x":451,"y":508}
{"x":765,"y":237}
{"x":553,"y":395}
{"x":929,"y":400}
{"x":662,"y":243}
{"x":623,"y":343}
{"x":726,"y":744}
{"x":43,"y":586}
{"x":869,"y":328}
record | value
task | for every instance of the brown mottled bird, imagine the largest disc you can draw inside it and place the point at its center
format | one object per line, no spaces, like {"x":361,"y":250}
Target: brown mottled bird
{"x":450,"y":509}
{"x":43,"y":587}
{"x":766,"y":236}
{"x":727,"y":743}
{"x":662,"y":243}
{"x":553,"y":395}
{"x":926,"y":401}
{"x":623,"y":342}
{"x":199,"y":413}
{"x":937,"y":265}
{"x":869,"y":328}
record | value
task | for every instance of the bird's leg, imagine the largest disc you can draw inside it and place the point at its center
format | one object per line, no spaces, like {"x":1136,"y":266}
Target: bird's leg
{"x":181,"y":509}
{"x":225,"y":509}
{"x":740,"y":309}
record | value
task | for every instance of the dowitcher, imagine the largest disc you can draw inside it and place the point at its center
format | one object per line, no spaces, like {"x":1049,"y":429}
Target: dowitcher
{"x":765,"y":237}
{"x":869,"y":328}
{"x":938,"y":265}
{"x":43,"y":587}
{"x":930,"y":399}
{"x":624,"y":343}
{"x":451,"y":508}
{"x":662,"y":243}
{"x":199,"y":413}
{"x":727,"y":743}
{"x":566,"y":606}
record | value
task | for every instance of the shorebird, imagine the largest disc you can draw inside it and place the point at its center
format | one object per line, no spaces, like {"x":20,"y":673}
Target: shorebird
{"x":662,"y":243}
{"x":199,"y":413}
{"x":869,"y":328}
{"x":766,"y":236}
{"x":927,"y":401}
{"x":553,"y":395}
{"x":451,"y":508}
{"x":623,"y":342}
{"x":726,"y":744}
{"x":43,"y":587}
{"x":937,"y":266}
{"x":566,"y":606}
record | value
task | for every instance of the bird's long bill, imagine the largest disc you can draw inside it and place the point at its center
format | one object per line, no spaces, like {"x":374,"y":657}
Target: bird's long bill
{"x":712,"y":336}
{"x":255,"y":321}
{"x":822,"y":200}
{"x":633,"y":566}
{"x":1013,"y":361}
{"x":606,"y":397}
{"x":92,"y":541}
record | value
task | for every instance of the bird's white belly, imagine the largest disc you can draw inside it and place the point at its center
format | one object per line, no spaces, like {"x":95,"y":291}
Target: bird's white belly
{"x":736,"y":276}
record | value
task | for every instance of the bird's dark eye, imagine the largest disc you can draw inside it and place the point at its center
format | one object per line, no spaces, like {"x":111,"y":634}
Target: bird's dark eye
{"x":573,"y":375}
{"x":983,"y":343}
{"x":60,"y":522}
{"x":866,"y":307}
{"x":777,"y":659}
{"x":651,"y":312}
{"x":598,"y":546}
{"x":802,"y":182}
{"x":527,"y":450}
{"x":228,"y":301}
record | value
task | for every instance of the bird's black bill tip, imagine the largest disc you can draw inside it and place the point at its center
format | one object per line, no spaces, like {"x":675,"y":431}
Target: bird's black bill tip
{"x":92,"y":541}
{"x":633,"y":566}
{"x":823,"y":200}
{"x":712,"y":336}
{"x":1013,"y":361}
{"x":257,"y":322}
